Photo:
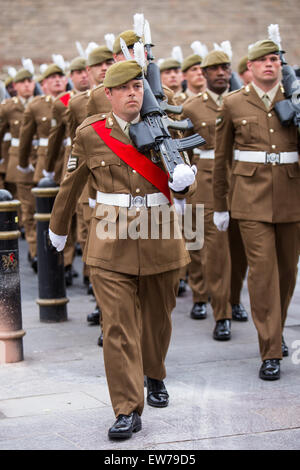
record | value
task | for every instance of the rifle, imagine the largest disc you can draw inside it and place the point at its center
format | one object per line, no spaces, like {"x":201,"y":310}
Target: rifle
{"x":288,"y":110}
{"x":152,"y":133}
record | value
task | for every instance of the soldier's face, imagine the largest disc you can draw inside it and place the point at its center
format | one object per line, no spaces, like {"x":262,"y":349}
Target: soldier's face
{"x":25,"y":88}
{"x":195,"y":77}
{"x":98,"y":71}
{"x":80,"y":80}
{"x":56,"y":83}
{"x":246,"y":77}
{"x":217,"y":77}
{"x":266,"y":69}
{"x":172,"y":78}
{"x":126,"y":100}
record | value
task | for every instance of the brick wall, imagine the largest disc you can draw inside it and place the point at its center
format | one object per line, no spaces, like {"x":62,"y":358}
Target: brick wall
{"x":38,"y":28}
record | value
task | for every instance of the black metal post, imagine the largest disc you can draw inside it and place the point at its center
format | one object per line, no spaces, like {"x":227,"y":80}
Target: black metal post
{"x":52,"y":299}
{"x":11,"y":331}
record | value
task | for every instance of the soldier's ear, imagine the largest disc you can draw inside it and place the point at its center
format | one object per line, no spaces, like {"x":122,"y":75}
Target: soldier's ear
{"x":108,"y":92}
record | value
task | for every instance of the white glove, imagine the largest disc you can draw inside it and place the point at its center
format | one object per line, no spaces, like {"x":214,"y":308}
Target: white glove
{"x":58,"y":241}
{"x":49,"y":174}
{"x":26,"y":170}
{"x":1,"y":161}
{"x":183,"y":176}
{"x":221,"y":220}
{"x":179,"y":205}
{"x":92,"y":203}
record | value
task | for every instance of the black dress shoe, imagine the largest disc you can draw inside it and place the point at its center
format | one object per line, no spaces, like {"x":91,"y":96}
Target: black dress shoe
{"x":68,"y":275}
{"x":199,"y":311}
{"x":222,"y":331}
{"x":125,"y":426}
{"x":94,"y":317}
{"x":90,"y":289}
{"x":270,"y":369}
{"x":157,"y":394}
{"x":239,"y":313}
{"x":100,"y":340}
{"x":34,"y":264}
{"x":285,"y":349}
{"x":181,"y":288}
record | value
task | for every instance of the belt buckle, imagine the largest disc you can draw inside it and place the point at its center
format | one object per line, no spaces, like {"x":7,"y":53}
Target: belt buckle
{"x":273,"y":158}
{"x":138,"y":202}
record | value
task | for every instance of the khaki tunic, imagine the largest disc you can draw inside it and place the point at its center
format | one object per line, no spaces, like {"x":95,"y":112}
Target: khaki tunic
{"x":37,"y":120}
{"x":265,"y":199}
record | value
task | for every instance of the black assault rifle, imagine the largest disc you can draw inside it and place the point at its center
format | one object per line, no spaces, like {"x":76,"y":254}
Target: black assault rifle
{"x":152,"y":133}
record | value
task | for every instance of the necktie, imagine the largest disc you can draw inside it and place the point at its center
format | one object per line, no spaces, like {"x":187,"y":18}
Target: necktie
{"x":266,"y":100}
{"x":126,"y":130}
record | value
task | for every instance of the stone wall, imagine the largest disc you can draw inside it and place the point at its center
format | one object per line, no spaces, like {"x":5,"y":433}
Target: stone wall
{"x":36,"y":29}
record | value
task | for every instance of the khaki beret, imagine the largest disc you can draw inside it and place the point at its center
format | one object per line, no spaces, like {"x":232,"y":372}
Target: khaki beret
{"x":129,"y":37}
{"x":261,"y":48}
{"x":191,"y":60}
{"x":242,"y":65}
{"x":8,"y":81}
{"x":99,"y":55}
{"x":215,"y":58}
{"x":51,"y":70}
{"x":79,"y":63}
{"x":21,"y":75}
{"x":122,"y":72}
{"x":169,"y":64}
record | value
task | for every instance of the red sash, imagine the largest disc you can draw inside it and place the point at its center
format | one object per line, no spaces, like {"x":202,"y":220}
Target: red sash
{"x":65,"y":99}
{"x":134,"y":159}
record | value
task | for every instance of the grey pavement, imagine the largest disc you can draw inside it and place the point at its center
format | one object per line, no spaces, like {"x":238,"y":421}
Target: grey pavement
{"x":57,"y":398}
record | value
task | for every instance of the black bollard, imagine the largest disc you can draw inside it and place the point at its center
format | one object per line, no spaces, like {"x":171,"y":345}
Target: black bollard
{"x":11,"y":331}
{"x":52,"y":299}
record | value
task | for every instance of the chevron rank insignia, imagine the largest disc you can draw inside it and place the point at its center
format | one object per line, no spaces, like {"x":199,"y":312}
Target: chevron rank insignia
{"x":72,"y":163}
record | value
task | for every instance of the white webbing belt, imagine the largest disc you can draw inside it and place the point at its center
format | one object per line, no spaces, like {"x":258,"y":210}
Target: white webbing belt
{"x":265,"y":157}
{"x":43,"y":142}
{"x":15,"y":142}
{"x":7,"y":137}
{"x":67,"y":142}
{"x":209,"y":154}
{"x":127,"y":200}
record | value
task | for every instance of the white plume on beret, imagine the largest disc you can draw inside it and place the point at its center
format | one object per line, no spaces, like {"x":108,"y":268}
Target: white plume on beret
{"x":59,"y":61}
{"x":147,"y":33}
{"x":138,"y":24}
{"x":11,"y":72}
{"x":139,"y":54}
{"x":80,"y":50}
{"x":43,"y":67}
{"x":199,"y":48}
{"x":125,"y":49}
{"x":225,"y":46}
{"x":109,"y":40}
{"x":28,"y":65}
{"x":160,"y":61}
{"x":274,"y":35}
{"x":177,"y":54}
{"x":90,"y":47}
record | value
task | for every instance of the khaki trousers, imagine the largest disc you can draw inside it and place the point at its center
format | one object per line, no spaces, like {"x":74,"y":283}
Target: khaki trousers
{"x":272,"y":255}
{"x":27,"y":200}
{"x":238,"y":261}
{"x":137,"y":329}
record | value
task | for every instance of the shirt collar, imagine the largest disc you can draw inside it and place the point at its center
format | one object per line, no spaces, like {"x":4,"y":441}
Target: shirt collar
{"x":123,"y":123}
{"x":271,"y":93}
{"x":216,"y":97}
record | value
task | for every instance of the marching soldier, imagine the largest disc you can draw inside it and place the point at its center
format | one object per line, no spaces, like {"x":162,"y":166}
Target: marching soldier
{"x":135,"y":280}
{"x":215,"y":257}
{"x":37,"y":120}
{"x":171,"y":76}
{"x":243,"y":71}
{"x":265,"y":196}
{"x":59,"y":146}
{"x":20,"y":185}
{"x":193,"y":75}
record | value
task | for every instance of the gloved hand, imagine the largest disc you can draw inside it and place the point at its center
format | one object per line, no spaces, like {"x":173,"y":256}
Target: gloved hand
{"x":221,"y":220}
{"x":49,"y":174}
{"x":58,"y":241}
{"x":179,"y":205}
{"x":183,"y":176}
{"x":26,"y":170}
{"x":92,"y":203}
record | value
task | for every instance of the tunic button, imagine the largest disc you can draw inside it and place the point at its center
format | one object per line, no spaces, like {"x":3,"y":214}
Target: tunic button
{"x":133,"y":171}
{"x":244,"y":122}
{"x":137,"y":190}
{"x":269,"y":114}
{"x":44,"y":118}
{"x":273,"y":146}
{"x":16,"y":123}
{"x":203,"y":124}
{"x":103,"y":163}
{"x":271,"y":130}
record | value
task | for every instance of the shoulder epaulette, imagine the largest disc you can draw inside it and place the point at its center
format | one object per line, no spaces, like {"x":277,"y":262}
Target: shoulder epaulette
{"x":234,"y":91}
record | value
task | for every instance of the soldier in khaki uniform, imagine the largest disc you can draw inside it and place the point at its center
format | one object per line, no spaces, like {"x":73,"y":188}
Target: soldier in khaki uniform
{"x":216,"y":258}
{"x":37,"y":120}
{"x":265,"y":196}
{"x":20,"y":185}
{"x":59,"y":146}
{"x":171,"y":77}
{"x":135,"y":280}
{"x":5,"y":144}
{"x":243,"y":71}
